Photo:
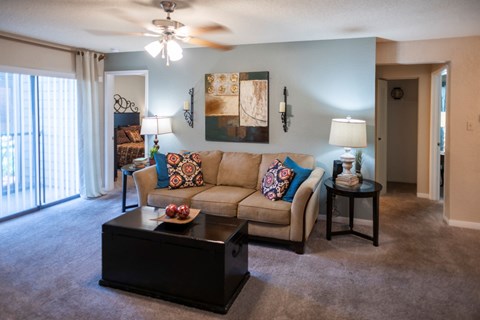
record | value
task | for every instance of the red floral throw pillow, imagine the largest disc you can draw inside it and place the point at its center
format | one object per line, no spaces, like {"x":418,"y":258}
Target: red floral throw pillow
{"x":276,"y":181}
{"x":184,"y":170}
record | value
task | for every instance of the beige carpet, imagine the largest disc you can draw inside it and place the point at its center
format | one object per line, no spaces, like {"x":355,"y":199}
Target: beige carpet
{"x":50,"y":266}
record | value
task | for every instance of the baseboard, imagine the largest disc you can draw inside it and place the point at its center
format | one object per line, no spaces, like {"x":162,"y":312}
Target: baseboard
{"x":462,"y":224}
{"x":345,"y":220}
{"x":423,"y":195}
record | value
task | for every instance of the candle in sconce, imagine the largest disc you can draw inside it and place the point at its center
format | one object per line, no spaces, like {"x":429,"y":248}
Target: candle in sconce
{"x":186,"y":106}
{"x":282,"y":107}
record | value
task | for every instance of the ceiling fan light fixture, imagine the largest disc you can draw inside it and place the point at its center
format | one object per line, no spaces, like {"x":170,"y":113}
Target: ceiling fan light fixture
{"x":174,"y":50}
{"x":154,"y":48}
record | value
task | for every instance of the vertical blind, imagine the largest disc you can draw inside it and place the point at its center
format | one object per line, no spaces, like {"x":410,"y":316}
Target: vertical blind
{"x":38,"y":141}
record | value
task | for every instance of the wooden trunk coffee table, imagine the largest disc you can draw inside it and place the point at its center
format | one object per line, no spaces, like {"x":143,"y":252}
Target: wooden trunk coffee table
{"x":203,"y":263}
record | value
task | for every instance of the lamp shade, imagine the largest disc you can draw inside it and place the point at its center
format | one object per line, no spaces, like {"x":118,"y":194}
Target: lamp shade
{"x":349,"y":133}
{"x":156,"y":125}
{"x":154,"y":48}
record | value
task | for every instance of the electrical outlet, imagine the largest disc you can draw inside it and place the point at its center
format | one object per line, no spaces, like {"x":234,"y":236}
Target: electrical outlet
{"x":469,"y":126}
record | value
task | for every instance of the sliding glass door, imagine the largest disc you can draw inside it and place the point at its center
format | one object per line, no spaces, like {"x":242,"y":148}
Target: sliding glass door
{"x":18,"y":143}
{"x":38,"y":143}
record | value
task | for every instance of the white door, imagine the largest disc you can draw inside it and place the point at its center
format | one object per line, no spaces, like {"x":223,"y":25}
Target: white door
{"x":437,"y":121}
{"x":381,"y":134}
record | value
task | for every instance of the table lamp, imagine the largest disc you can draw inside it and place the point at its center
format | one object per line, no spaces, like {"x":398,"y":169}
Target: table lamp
{"x":156,"y":125}
{"x":348,"y":133}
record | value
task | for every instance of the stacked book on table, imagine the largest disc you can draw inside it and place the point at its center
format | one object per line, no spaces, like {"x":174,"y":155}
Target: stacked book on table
{"x":140,"y":163}
{"x":346,"y":180}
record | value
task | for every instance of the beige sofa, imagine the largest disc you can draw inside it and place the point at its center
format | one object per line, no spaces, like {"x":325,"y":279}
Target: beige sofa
{"x":233,"y":189}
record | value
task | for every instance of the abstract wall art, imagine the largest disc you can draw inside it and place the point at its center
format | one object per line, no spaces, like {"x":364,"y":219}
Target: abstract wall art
{"x":236,"y":107}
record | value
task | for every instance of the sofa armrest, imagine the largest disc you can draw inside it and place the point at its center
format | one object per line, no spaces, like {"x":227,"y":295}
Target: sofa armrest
{"x":305,"y":206}
{"x":145,"y":181}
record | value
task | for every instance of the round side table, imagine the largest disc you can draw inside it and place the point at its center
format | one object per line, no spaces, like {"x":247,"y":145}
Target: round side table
{"x":366,"y":189}
{"x":127,"y":170}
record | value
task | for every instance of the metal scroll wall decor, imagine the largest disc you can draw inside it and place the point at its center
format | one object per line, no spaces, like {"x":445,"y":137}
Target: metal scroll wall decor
{"x":122,"y":105}
{"x":188,"y":109}
{"x":283,"y":110}
{"x":236,"y":107}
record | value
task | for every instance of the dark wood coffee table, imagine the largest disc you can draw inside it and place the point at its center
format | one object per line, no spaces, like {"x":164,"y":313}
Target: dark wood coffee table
{"x":203,"y":264}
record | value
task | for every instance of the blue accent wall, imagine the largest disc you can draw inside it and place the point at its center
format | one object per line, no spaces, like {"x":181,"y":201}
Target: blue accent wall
{"x":325,"y":79}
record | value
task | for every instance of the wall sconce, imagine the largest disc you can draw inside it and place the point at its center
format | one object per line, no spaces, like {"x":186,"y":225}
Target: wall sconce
{"x":283,"y":110}
{"x":188,"y":109}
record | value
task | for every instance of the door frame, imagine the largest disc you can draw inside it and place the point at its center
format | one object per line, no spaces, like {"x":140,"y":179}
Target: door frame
{"x":109,"y":138}
{"x":436,"y":84}
{"x":381,"y":142}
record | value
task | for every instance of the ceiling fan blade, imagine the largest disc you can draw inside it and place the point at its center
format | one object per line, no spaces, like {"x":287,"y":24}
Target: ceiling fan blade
{"x":207,"y":43}
{"x":195,"y":31}
{"x":119,"y":33}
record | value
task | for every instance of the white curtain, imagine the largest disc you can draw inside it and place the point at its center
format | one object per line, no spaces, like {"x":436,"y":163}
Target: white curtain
{"x":89,"y":69}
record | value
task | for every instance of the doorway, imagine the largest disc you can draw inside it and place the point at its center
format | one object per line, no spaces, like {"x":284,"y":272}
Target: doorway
{"x":111,"y":78}
{"x":402,"y":132}
{"x":397,"y":134}
{"x":426,"y":139}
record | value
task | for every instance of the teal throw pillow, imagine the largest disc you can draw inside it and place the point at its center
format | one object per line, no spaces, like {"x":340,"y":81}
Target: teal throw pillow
{"x":301,"y":174}
{"x":162,"y":171}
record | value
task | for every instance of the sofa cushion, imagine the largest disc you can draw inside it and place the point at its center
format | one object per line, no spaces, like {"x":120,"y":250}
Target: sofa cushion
{"x":301,"y":174}
{"x":258,"y":208}
{"x":163,"y":197}
{"x":184,"y":170}
{"x":276,"y":181}
{"x":220,"y":200}
{"x":210,"y":163}
{"x":239,"y":169}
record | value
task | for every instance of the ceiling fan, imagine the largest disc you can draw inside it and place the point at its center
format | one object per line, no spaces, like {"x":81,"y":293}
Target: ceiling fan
{"x":169,"y":30}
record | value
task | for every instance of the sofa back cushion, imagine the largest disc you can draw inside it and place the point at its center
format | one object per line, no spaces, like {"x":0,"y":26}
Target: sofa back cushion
{"x":210,"y":163}
{"x":239,"y":169}
{"x":303,"y":160}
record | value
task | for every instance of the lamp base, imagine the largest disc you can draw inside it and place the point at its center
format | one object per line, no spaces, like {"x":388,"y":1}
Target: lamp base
{"x":347,"y":180}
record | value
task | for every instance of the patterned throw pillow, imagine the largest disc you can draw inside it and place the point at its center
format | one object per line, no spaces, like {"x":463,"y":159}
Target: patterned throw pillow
{"x":122,"y":137}
{"x":184,"y":170}
{"x":134,"y":135}
{"x":276,"y":181}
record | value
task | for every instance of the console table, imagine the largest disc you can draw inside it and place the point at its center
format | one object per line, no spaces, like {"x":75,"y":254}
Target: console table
{"x":366,"y":189}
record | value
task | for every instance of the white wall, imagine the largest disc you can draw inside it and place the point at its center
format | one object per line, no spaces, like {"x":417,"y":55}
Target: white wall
{"x":132,"y":88}
{"x":36,"y":60}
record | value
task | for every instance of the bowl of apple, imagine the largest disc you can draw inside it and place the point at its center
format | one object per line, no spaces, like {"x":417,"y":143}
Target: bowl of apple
{"x":179,"y":214}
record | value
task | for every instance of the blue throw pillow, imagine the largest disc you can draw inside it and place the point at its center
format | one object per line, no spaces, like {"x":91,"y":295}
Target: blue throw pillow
{"x":162,"y":171}
{"x":301,"y":174}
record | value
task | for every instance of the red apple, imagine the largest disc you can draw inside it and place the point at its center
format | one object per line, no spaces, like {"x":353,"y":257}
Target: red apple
{"x":183,"y":211}
{"x":171,"y":210}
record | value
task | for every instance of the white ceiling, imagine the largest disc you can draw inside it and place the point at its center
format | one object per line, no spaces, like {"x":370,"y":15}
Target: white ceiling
{"x":91,"y":23}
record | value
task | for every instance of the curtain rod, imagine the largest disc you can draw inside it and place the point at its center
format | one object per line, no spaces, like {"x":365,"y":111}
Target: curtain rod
{"x":43,"y":44}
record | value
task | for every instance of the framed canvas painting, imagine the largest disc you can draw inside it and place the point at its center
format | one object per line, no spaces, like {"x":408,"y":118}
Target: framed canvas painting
{"x":236,"y":107}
